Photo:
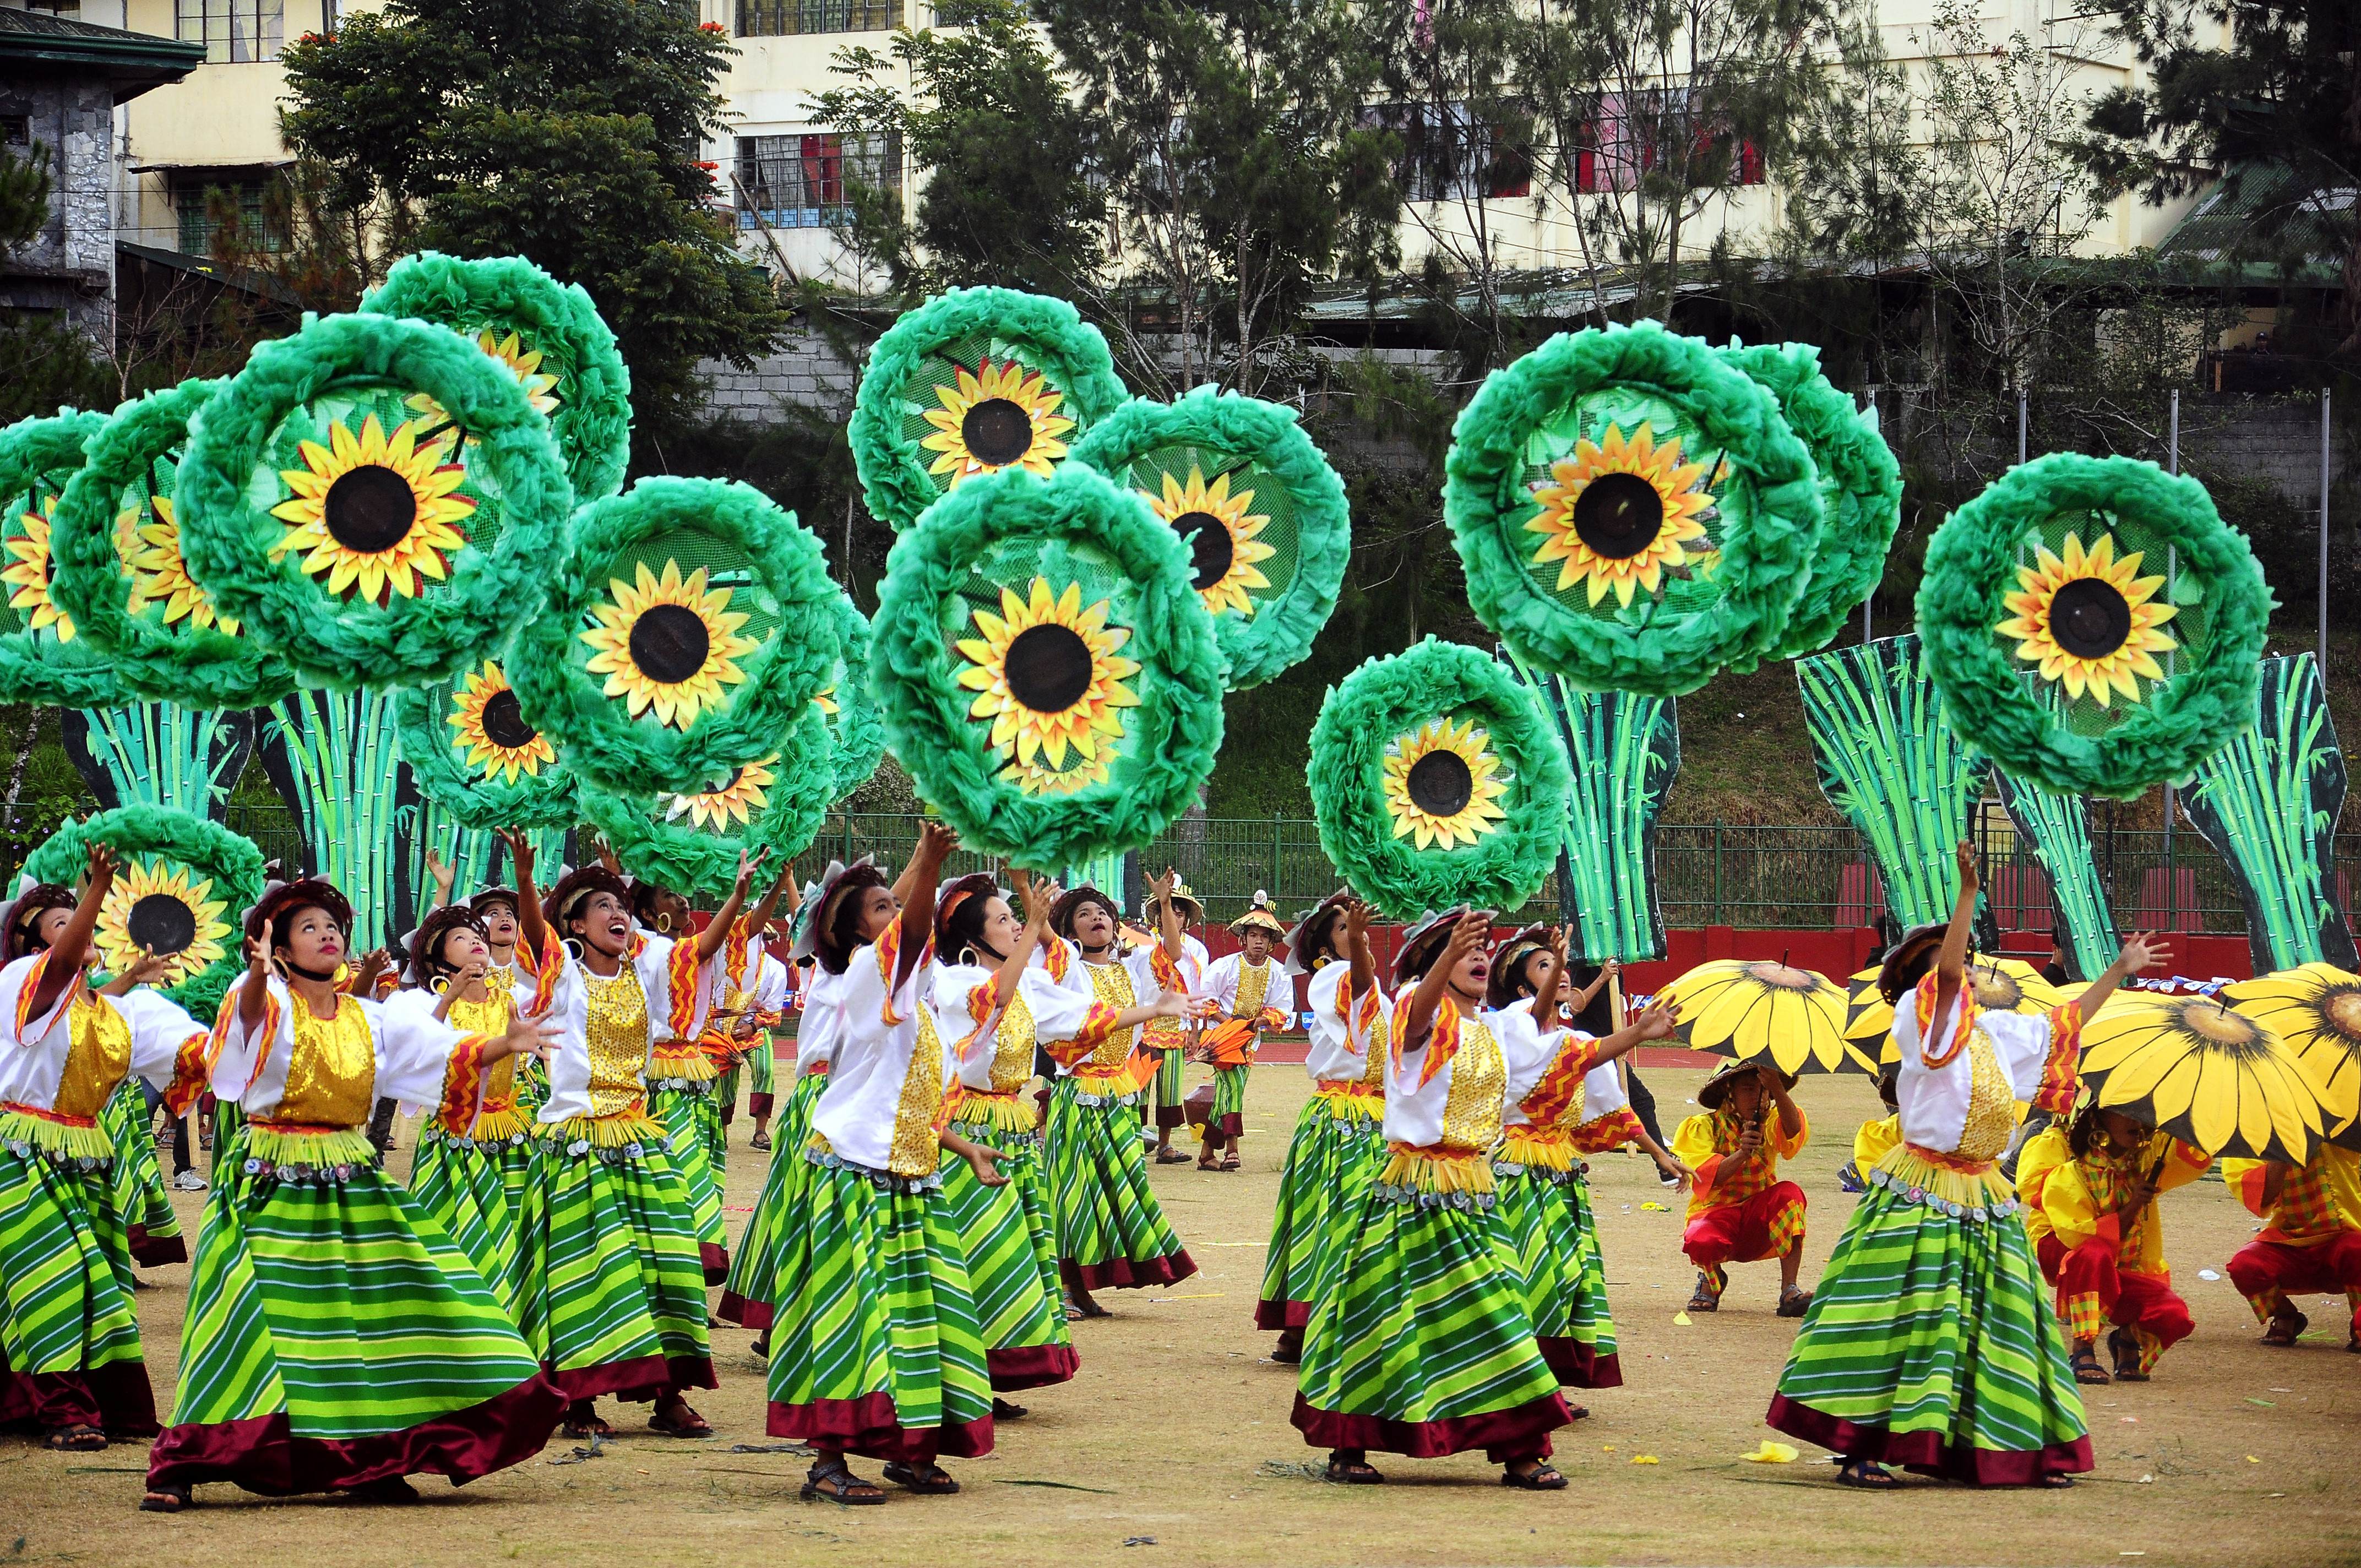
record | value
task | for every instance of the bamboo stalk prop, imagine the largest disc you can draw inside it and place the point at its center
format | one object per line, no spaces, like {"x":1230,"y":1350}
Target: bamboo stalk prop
{"x":335,"y":758}
{"x":1900,"y":774}
{"x":2268,"y":802}
{"x":2060,"y":827}
{"x":159,"y":753}
{"x":1625,"y":750}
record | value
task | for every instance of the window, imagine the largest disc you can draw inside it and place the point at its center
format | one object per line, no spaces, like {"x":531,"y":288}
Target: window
{"x":761,"y":19}
{"x":1449,"y":154}
{"x":16,"y":130}
{"x":1625,"y":138}
{"x":799,"y":181}
{"x":232,"y":30}
{"x":197,"y":225}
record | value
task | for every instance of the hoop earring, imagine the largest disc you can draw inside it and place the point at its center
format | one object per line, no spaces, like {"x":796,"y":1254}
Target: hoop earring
{"x":573,"y":945}
{"x":663,"y":924}
{"x":439,"y":984}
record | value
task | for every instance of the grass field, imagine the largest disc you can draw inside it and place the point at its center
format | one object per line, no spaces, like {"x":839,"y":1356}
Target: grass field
{"x":1173,"y":1445}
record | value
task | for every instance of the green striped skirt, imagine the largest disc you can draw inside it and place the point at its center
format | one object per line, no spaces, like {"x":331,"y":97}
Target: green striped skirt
{"x":1337,"y":1151}
{"x":876,"y":1349}
{"x":1012,"y":1260}
{"x":1170,"y":1088}
{"x":754,"y":1266}
{"x":1928,"y":1344}
{"x":1423,"y":1347}
{"x":1227,"y":1118}
{"x":70,"y":1352}
{"x":531,"y":1085}
{"x":336,"y":1337}
{"x":613,"y":1298}
{"x":153,"y":1230}
{"x":1111,"y":1229}
{"x":762,"y":1066}
{"x":475,"y":1190}
{"x":692,"y":1123}
{"x":1547,"y":1213}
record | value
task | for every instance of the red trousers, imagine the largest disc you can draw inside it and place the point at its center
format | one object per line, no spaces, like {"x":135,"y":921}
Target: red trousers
{"x":2145,"y":1304}
{"x":1765,"y":1225}
{"x":2268,"y":1273}
{"x":2049,"y":1253}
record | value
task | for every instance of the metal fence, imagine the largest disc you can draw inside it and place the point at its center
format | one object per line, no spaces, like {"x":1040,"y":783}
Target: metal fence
{"x":1708,"y":873}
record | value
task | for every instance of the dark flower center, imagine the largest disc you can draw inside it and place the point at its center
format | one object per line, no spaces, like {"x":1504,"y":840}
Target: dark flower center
{"x":669,"y":642}
{"x":2089,"y":618}
{"x":369,"y":508}
{"x":504,"y":721}
{"x":1049,"y":668}
{"x":1618,"y":515}
{"x":1440,"y":784}
{"x":162,"y":923}
{"x":997,"y":432}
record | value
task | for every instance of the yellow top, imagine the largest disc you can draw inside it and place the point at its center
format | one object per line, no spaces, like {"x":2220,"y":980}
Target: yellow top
{"x":617,"y":1009}
{"x":1991,"y":1102}
{"x":915,"y":1149}
{"x":2042,"y":1155}
{"x":1479,"y":1081}
{"x":2080,"y":1199}
{"x":332,"y":1071}
{"x":1254,"y":984}
{"x":1870,"y":1144}
{"x":98,"y":1054}
{"x":1012,"y":1047}
{"x":2316,"y":1204}
{"x":1111,"y":983}
{"x":1708,"y":1143}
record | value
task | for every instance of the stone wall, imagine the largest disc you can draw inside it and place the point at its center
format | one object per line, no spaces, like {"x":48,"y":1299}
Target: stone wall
{"x":69,"y":265}
{"x":805,"y":371}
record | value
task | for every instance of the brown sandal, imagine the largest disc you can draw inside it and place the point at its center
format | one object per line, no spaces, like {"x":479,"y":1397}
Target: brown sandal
{"x":2118,"y":1345}
{"x":834,"y":1480}
{"x":165,"y":1499}
{"x":79,"y":1438}
{"x":1230,"y":1162}
{"x":681,"y":1422}
{"x":2286,"y":1328}
{"x":2085,"y":1363}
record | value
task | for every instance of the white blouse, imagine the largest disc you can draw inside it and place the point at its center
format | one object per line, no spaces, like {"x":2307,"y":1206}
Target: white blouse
{"x":412,"y":1054}
{"x":34,"y":1052}
{"x":664,"y":989}
{"x":1934,"y":1102}
{"x":891,"y":1066}
{"x":1340,"y":1045}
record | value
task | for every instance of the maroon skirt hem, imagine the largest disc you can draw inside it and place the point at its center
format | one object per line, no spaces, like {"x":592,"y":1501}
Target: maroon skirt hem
{"x":1577,"y":1366}
{"x":262,"y":1455}
{"x":1925,"y":1452}
{"x":736,"y":1309}
{"x":866,"y":1427}
{"x":1169,"y":1117}
{"x":1128,"y":1274}
{"x":157,"y":1252}
{"x":1270,"y":1314}
{"x":716,"y":1260}
{"x":1030,"y":1366}
{"x":640,"y":1379}
{"x":1520,"y":1432}
{"x":117,"y":1398}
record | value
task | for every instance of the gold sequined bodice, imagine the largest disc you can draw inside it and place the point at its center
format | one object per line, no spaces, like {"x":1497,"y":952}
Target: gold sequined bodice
{"x":1111,"y":983}
{"x":332,"y":1072}
{"x":617,"y":1035}
{"x":1991,"y":1102}
{"x":1012,"y":1047}
{"x":98,"y":1053}
{"x":1380,"y":1045}
{"x":1479,"y":1081}
{"x":915,"y":1150}
{"x":489,"y":1016}
{"x":1254,"y":984}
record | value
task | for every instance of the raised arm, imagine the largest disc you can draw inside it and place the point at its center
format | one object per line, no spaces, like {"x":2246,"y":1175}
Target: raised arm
{"x":66,"y":953}
{"x":780,"y":886}
{"x":1467,"y":935}
{"x":1358,"y":952}
{"x":936,"y":843}
{"x":1037,"y":896}
{"x":1545,"y":999}
{"x":1168,"y":917}
{"x":1951,"y":962}
{"x":254,"y":991}
{"x":710,"y":940}
{"x":1654,"y":1023}
{"x":2138,"y":955}
{"x":533,"y":931}
{"x":443,"y":875}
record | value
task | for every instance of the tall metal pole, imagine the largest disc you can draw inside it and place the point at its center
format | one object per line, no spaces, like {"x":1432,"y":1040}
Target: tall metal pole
{"x":2172,"y":581}
{"x":2323,"y":537}
{"x":2020,"y":426}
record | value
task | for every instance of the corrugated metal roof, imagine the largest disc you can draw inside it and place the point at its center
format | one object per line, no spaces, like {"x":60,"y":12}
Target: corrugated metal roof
{"x":2227,"y":227}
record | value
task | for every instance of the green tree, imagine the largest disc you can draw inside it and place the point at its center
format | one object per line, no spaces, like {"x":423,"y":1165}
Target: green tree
{"x":566,"y":132}
{"x":2282,"y":94}
{"x":44,"y":362}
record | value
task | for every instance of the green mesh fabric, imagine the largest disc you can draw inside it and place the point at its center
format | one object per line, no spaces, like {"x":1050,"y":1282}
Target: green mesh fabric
{"x":2185,"y":589}
{"x":726,"y":563}
{"x":923,"y":389}
{"x":1270,"y":519}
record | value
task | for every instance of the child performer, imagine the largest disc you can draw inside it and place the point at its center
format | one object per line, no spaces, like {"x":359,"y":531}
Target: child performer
{"x":1339,"y":1145}
{"x":1248,"y":993}
{"x":70,"y":1359}
{"x":1424,"y":1347}
{"x":508,"y":968}
{"x":1740,"y":1210}
{"x":614,"y":1294}
{"x":1111,"y":1229}
{"x":1928,"y":1343}
{"x":2101,"y":1205}
{"x":1168,"y":1037}
{"x":875,"y":1345}
{"x":335,"y":1339}
{"x":1873,"y":1137}
{"x":2311,"y":1239}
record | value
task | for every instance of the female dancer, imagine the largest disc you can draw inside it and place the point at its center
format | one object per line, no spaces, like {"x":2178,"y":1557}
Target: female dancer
{"x":1111,"y":1229}
{"x":1928,"y":1343}
{"x":510,"y":967}
{"x":992,"y":1017}
{"x":335,"y":1339}
{"x":70,"y":1353}
{"x":1339,"y":1144}
{"x":1167,"y":1038}
{"x":473,"y":1162}
{"x":875,"y":1347}
{"x":613,"y":1296}
{"x":1424,"y":1347}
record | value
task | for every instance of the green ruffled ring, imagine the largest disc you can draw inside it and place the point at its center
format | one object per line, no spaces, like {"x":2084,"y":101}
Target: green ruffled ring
{"x":854,"y":729}
{"x":546,"y":334}
{"x":1632,"y":512}
{"x":691,"y":843}
{"x":1437,"y":779}
{"x":1264,"y":515}
{"x":1861,"y":489}
{"x":121,"y":577}
{"x":970,"y":382}
{"x":1079,"y":714}
{"x":184,"y":884}
{"x":2070,"y":660}
{"x":475,"y":754}
{"x":653,"y":677}
{"x":40,"y":663}
{"x":373,"y":565}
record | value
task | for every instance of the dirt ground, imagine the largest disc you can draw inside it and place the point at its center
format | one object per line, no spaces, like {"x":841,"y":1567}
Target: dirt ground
{"x":1172,"y":1446}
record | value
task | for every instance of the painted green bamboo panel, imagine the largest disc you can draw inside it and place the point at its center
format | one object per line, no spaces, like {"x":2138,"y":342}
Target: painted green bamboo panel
{"x":159,"y":753}
{"x":1888,"y":761}
{"x":2060,"y":828}
{"x":1625,"y":750}
{"x":333,"y":757}
{"x":2268,"y":802}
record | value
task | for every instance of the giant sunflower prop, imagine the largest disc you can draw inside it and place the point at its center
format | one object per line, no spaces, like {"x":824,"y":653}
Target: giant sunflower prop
{"x":1861,"y":489}
{"x":852,"y":713}
{"x":1766,"y":1010}
{"x":1055,"y":691}
{"x":690,"y":839}
{"x":318,"y":510}
{"x":475,"y":754}
{"x":1632,"y":512}
{"x":1263,"y":514}
{"x":182,"y":882}
{"x":692,"y":628}
{"x":971,"y":383}
{"x":2189,"y":1066}
{"x":2316,"y":1009}
{"x":121,"y":574}
{"x":1437,"y":779}
{"x":547,"y":336}
{"x":2093,"y":624}
{"x":39,"y":457}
